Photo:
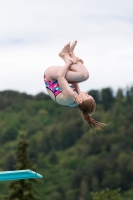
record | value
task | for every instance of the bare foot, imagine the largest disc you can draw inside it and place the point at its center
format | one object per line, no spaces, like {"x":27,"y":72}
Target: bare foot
{"x":72,"y":55}
{"x":64,"y":54}
{"x":73,"y":46}
{"x":65,"y":51}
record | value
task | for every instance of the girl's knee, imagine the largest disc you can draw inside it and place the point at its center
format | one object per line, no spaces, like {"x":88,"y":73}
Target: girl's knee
{"x":86,"y":75}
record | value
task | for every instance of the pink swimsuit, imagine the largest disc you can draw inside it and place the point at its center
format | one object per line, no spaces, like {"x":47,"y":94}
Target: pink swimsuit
{"x":54,"y":86}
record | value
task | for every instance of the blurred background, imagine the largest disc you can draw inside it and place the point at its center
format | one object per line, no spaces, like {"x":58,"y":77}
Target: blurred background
{"x":53,"y":140}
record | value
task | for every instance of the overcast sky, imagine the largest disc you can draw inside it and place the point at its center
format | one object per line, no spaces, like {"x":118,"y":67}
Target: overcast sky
{"x":32,"y":32}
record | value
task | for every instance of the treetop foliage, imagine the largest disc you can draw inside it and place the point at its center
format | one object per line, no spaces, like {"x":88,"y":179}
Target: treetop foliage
{"x":73,"y":161}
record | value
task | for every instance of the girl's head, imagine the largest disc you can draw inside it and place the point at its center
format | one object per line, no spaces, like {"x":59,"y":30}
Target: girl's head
{"x":87,"y":106}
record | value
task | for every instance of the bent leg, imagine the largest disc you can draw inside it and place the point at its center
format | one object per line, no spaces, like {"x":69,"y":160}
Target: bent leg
{"x":79,"y":67}
{"x":74,"y":75}
{"x":67,"y":53}
{"x":77,"y":72}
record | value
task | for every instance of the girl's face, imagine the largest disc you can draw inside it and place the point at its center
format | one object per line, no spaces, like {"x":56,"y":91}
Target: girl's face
{"x":82,"y":97}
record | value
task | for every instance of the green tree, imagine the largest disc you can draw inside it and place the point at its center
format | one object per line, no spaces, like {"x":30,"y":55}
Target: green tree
{"x":83,"y":190}
{"x":96,"y":95}
{"x":9,"y":133}
{"x":106,"y":194}
{"x":23,"y":189}
{"x":119,"y":95}
{"x":107,"y":98}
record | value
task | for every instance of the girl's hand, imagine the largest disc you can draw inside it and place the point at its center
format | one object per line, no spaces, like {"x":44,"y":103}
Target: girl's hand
{"x":79,"y":60}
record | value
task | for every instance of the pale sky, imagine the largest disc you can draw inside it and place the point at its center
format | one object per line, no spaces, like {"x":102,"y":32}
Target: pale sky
{"x":33,"y":32}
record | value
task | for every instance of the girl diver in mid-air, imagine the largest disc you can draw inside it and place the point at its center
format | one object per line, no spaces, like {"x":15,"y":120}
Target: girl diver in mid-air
{"x":62,"y":84}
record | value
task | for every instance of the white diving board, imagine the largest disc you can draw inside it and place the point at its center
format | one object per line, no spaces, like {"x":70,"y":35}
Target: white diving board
{"x":18,"y":174}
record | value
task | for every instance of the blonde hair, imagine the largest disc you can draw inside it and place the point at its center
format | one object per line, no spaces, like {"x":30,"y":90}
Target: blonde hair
{"x":87,"y":108}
